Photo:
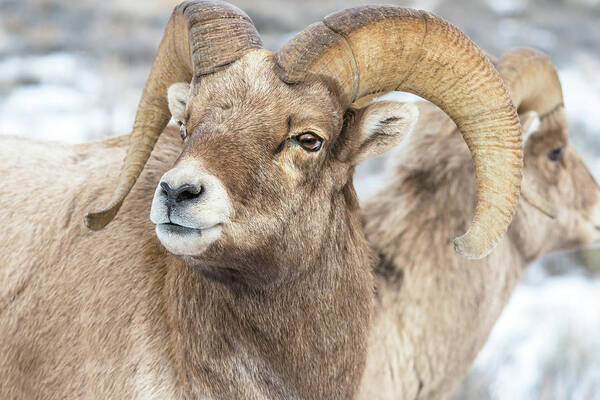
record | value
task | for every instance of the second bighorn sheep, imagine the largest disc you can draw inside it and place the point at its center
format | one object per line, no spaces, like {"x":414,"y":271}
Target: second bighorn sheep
{"x":434,"y":311}
{"x":265,"y":288}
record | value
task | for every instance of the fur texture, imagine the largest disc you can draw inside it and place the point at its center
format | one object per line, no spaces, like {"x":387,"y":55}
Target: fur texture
{"x":434,"y":310}
{"x":277,"y":308}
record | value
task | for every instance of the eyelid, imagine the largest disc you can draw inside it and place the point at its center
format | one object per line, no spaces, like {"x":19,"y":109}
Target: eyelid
{"x":297,"y":132}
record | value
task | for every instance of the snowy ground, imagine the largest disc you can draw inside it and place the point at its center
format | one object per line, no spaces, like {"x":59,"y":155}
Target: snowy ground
{"x":62,"y":96}
{"x":73,"y":71}
{"x":545,"y":345}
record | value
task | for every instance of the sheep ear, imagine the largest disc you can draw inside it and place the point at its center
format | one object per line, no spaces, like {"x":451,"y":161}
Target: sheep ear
{"x":177,"y":95}
{"x":530,"y":123}
{"x":382,"y":125}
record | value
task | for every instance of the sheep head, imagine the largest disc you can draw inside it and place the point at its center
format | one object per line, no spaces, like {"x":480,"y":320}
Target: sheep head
{"x":556,"y":182}
{"x":272,"y":138}
{"x":265,"y":178}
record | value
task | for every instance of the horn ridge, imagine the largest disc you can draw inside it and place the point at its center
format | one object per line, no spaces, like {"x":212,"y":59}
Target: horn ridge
{"x":201,"y":37}
{"x":532,"y":80}
{"x":396,"y":48}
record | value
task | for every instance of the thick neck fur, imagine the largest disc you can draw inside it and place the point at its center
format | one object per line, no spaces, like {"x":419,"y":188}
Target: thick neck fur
{"x":431,"y":198}
{"x":434,"y":309}
{"x":123,"y":318}
{"x":303,"y":338}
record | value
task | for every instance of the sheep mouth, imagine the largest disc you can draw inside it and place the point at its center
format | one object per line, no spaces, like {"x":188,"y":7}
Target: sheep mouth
{"x":176,"y":229}
{"x":185,"y":240}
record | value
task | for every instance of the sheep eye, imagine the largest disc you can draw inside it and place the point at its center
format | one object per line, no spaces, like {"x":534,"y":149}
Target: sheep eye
{"x":309,"y":141}
{"x":555,"y":154}
{"x":182,"y":131}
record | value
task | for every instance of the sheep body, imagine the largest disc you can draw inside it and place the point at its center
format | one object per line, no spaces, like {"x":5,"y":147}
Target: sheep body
{"x":63,"y":296}
{"x":90,"y":314}
{"x":434,"y":310}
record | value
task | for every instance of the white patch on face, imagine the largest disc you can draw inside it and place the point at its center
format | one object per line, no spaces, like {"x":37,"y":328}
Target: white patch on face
{"x":530,"y":123}
{"x":191,"y":225}
{"x":188,"y":243}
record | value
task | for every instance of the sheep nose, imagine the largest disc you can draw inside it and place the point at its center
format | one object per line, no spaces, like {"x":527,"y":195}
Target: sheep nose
{"x":183,"y":193}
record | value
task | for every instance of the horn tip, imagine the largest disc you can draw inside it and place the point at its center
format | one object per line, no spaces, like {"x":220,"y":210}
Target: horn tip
{"x":472,"y":248}
{"x":96,"y":221}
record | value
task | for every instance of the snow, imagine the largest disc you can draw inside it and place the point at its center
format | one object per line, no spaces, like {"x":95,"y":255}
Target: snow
{"x":545,"y":345}
{"x":60,"y":97}
{"x":505,"y":7}
{"x":547,"y":337}
{"x":581,"y":91}
{"x":547,"y":340}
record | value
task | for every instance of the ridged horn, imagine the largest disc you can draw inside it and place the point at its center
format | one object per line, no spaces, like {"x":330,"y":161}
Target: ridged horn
{"x":534,"y":85}
{"x":201,"y":38}
{"x":373,"y":49}
{"x":531,"y":79}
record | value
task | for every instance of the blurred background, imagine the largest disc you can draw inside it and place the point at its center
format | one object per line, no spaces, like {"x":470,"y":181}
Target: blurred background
{"x":73,"y":71}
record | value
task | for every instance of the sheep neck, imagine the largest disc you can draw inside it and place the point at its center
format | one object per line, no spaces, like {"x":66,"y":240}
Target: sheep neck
{"x":308,"y":336}
{"x":423,"y":286}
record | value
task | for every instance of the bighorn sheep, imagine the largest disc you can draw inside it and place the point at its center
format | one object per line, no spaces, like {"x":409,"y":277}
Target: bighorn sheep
{"x":265,"y":288}
{"x":434,"y":310}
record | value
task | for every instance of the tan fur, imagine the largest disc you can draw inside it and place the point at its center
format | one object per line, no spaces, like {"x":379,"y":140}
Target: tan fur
{"x":112,"y":315}
{"x":371,"y":49}
{"x":277,"y":308}
{"x":434,"y":309}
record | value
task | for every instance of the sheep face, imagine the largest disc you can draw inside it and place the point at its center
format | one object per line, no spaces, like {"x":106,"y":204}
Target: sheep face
{"x":264,"y":180}
{"x":561,"y":178}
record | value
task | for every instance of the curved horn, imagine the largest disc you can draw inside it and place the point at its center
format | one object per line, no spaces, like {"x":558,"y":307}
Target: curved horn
{"x":383,"y":48}
{"x":534,"y":85}
{"x":531,"y":79}
{"x":200,"y":38}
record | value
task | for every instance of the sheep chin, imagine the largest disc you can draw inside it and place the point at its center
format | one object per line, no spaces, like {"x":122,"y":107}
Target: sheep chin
{"x":184,"y":241}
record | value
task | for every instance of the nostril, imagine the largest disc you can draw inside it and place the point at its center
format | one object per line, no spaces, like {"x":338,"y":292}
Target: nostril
{"x":188,"y":192}
{"x":182,"y":193}
{"x":166,"y":189}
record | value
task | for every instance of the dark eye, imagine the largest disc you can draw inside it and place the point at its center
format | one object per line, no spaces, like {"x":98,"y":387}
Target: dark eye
{"x":555,"y":154}
{"x":309,"y":141}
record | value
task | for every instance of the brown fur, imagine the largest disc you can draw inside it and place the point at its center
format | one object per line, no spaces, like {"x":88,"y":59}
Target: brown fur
{"x":277,"y":308}
{"x":429,"y":325}
{"x":98,"y":315}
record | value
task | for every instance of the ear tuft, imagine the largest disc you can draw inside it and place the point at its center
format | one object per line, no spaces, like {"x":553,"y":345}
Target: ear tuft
{"x":388,"y":118}
{"x":383,"y":124}
{"x":177,"y":95}
{"x":530,"y":123}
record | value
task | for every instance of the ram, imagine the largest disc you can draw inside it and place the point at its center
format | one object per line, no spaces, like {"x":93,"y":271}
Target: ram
{"x":254,"y":278}
{"x":434,"y":310}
